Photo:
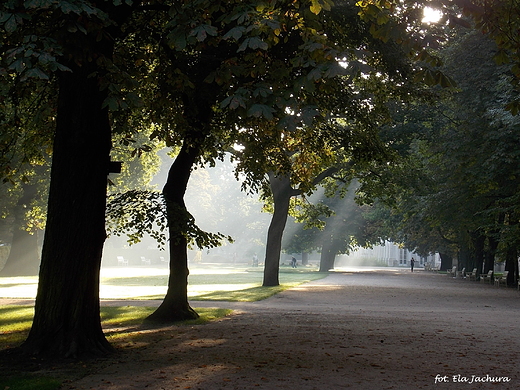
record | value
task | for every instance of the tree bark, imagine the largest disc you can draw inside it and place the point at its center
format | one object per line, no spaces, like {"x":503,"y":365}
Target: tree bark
{"x":489,"y":256}
{"x":511,"y":265}
{"x":479,"y":243}
{"x":282,"y":192}
{"x":328,"y":255}
{"x":305,"y":258}
{"x":446,"y":261}
{"x":66,"y":320}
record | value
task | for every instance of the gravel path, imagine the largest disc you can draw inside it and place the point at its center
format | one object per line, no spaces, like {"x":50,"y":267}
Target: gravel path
{"x":388,"y":329}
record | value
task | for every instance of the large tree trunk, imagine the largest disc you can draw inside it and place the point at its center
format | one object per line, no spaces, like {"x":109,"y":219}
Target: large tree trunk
{"x":489,"y":256}
{"x":175,"y":306}
{"x":282,"y":192}
{"x":511,"y":265}
{"x":24,"y":256}
{"x":66,"y":320}
{"x":305,"y":258}
{"x":446,"y":261}
{"x":328,"y":255}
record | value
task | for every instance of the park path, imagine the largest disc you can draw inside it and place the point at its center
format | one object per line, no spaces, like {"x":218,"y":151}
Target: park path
{"x":387,"y":329}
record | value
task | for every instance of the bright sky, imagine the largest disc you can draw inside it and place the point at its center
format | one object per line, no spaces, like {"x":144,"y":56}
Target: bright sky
{"x":431,"y":15}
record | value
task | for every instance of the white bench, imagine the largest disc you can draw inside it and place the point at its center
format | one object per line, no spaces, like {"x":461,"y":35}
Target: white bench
{"x":461,"y":274}
{"x":501,"y":279}
{"x":489,"y":276}
{"x":472,"y":274}
{"x":452,"y":272}
{"x":121,"y":260}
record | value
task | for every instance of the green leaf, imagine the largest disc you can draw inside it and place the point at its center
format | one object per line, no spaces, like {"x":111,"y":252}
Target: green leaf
{"x":177,"y":39}
{"x":501,"y":57}
{"x":259,"y":110}
{"x":201,"y":32}
{"x":235,"y":33}
{"x":112,"y":103}
{"x":233,"y":102}
{"x":10,"y":24}
{"x":316,"y":7}
{"x":36,"y":73}
{"x":253,"y":43}
{"x":18,"y":65}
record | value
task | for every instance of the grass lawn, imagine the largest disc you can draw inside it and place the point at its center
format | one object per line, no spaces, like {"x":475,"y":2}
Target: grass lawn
{"x":213,"y":284}
{"x":122,"y":324}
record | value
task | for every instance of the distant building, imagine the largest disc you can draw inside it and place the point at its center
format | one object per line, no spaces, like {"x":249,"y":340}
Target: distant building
{"x":389,"y":254}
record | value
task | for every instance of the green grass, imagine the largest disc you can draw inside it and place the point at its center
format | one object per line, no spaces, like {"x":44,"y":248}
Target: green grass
{"x":217,"y":283}
{"x":123,"y":324}
{"x":15,"y":321}
{"x":29,"y":382}
{"x":236,"y":287}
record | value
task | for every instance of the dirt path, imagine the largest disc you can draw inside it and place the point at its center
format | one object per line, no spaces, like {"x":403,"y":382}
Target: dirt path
{"x":370,"y":330}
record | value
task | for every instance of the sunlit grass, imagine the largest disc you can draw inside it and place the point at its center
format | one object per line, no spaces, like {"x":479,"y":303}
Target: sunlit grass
{"x":238,"y":285}
{"x":118,"y":321}
{"x":216,"y":283}
{"x":241,"y":287}
{"x":122,"y":327}
{"x":15,"y":322}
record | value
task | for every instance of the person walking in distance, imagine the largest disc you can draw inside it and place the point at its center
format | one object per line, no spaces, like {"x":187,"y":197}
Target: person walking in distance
{"x":412,"y":263}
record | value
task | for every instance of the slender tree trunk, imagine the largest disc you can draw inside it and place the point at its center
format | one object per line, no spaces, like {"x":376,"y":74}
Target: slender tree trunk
{"x":175,"y":306}
{"x":282,"y":192}
{"x":66,"y":320}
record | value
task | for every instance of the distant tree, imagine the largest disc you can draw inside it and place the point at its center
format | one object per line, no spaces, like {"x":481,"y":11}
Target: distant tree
{"x":454,"y":190}
{"x":500,"y":21}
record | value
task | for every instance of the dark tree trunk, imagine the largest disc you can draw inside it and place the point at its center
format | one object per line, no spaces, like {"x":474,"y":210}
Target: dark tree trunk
{"x":464,"y":257}
{"x":24,"y":256}
{"x":282,"y":192}
{"x":511,"y":265}
{"x":446,"y":261}
{"x":198,"y":112}
{"x":478,"y":252}
{"x":328,"y":255}
{"x":489,"y":256}
{"x":66,"y":320}
{"x":305,"y":258}
{"x":175,"y":306}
